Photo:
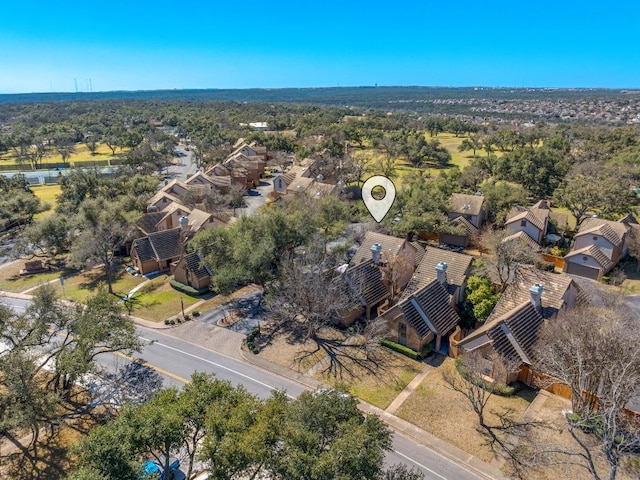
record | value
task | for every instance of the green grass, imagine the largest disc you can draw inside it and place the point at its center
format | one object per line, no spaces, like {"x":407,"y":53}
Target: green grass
{"x":81,"y":155}
{"x":382,"y":395}
{"x":47,"y":194}
{"x":10,"y":281}
{"x":157,"y":300}
{"x":78,"y":288}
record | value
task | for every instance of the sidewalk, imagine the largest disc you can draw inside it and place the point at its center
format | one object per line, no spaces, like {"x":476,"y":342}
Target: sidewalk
{"x":443,"y":448}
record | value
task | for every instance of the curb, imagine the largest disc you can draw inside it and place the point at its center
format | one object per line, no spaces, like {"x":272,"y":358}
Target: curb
{"x":443,"y":448}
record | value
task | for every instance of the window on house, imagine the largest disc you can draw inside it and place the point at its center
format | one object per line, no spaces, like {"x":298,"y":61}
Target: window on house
{"x":585,"y":258}
{"x":523,"y":223}
{"x":595,"y":239}
{"x":164,"y":200}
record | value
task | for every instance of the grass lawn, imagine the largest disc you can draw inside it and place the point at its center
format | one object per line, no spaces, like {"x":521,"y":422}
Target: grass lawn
{"x":47,"y":194}
{"x":446,"y":414}
{"x":378,"y":381}
{"x":81,"y":155}
{"x":157,"y":300}
{"x":78,"y":287}
{"x":10,"y":281}
{"x":335,"y":359}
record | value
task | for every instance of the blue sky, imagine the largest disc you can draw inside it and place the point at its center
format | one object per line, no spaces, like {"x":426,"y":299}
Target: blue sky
{"x":142,"y":45}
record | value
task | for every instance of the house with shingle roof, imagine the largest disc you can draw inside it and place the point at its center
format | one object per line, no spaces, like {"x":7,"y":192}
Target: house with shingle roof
{"x":426,"y":310}
{"x":368,"y":285}
{"x":191,"y":270}
{"x":461,"y":233}
{"x":397,"y":255}
{"x":469,"y":207}
{"x":598,"y":246}
{"x":157,"y":251}
{"x":521,"y":236}
{"x":510,"y":333}
{"x":532,"y":221}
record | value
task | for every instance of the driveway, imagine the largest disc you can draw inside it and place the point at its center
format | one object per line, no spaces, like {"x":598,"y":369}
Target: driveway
{"x":257,"y":197}
{"x":250,"y":309}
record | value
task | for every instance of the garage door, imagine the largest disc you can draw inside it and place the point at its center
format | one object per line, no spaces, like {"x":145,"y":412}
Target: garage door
{"x":583,"y":270}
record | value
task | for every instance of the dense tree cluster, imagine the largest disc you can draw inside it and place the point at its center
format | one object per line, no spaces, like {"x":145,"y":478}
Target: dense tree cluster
{"x":319,"y":435}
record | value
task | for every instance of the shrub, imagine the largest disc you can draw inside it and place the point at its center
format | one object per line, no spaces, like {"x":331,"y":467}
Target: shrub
{"x":396,"y":347}
{"x":186,"y":289}
{"x":496,"y":388}
{"x":172,"y":322}
{"x":167,"y":321}
{"x":195,"y":313}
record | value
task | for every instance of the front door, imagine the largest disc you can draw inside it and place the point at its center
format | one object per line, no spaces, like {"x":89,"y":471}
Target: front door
{"x":402,"y":340}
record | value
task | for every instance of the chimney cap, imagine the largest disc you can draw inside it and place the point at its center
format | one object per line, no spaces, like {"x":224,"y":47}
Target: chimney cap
{"x":442,"y":266}
{"x":376,"y":247}
{"x":536,"y":289}
{"x":183,"y":219}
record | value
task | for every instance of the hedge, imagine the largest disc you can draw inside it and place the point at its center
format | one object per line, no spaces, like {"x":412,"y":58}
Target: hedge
{"x":396,"y":347}
{"x":181,"y":287}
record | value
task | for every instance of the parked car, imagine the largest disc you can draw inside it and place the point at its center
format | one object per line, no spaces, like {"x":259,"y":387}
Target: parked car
{"x":151,"y":468}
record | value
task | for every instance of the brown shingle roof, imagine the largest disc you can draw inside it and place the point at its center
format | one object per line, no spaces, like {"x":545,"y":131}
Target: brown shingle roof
{"x":457,"y":269}
{"x":466,"y":204}
{"x":603,"y":229}
{"x":162,"y":245}
{"x":628,"y":219}
{"x":365,"y":280}
{"x":592,"y":251}
{"x":299,"y":184}
{"x":469,"y":228}
{"x":420,"y":252}
{"x":592,"y":224}
{"x":536,"y":216}
{"x":391,"y":246}
{"x":523,"y":237}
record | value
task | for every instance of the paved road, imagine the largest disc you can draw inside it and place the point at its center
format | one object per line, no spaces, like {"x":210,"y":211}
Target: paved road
{"x":177,"y":359}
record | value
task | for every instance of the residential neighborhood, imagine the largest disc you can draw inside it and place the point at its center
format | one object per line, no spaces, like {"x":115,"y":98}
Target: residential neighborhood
{"x":248,"y":271}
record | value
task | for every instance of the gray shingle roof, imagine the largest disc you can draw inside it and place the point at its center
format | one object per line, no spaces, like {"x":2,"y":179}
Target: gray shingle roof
{"x":365,"y":279}
{"x":149,"y":220}
{"x":433,"y":302}
{"x":515,"y":335}
{"x":162,"y":245}
{"x":196,"y":265}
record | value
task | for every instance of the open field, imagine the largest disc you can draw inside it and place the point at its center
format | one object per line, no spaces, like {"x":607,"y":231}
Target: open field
{"x":47,"y":194}
{"x":81,"y":155}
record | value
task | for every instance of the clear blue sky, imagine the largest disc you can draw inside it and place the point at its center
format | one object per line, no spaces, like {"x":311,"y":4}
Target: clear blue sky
{"x":143,"y":45}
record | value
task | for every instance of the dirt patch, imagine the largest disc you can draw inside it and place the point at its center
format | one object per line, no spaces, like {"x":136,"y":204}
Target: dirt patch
{"x":437,"y":409}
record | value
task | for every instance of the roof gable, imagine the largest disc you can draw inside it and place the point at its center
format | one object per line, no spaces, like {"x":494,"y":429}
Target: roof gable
{"x":365,"y":280}
{"x":391,"y":246}
{"x":430,"y":307}
{"x":466,"y":204}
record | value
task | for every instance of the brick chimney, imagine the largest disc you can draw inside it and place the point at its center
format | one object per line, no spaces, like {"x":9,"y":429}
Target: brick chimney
{"x":536,"y":296}
{"x":441,"y":272}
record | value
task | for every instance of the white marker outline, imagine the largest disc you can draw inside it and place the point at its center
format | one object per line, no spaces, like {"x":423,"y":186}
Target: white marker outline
{"x":370,"y":202}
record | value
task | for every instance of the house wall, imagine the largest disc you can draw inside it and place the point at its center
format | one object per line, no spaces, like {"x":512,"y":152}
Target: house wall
{"x":582,"y":270}
{"x":599,"y":241}
{"x":279,"y":185}
{"x":414,"y":342}
{"x":530,"y":229}
{"x":143,"y":267}
{"x":457,"y":240}
{"x":177,"y":190}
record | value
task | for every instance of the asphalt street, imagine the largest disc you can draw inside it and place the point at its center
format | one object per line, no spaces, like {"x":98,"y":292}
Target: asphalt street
{"x":175,"y":360}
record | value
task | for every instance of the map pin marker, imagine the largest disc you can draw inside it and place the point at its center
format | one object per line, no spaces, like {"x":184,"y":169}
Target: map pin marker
{"x":378,"y":208}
